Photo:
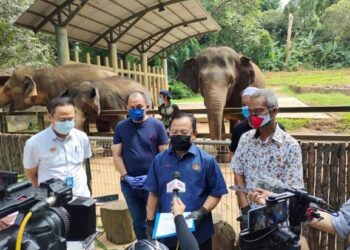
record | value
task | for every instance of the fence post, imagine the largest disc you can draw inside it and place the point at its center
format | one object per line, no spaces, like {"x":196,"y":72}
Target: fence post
{"x":121,"y":69}
{"x":41,"y":121}
{"x":88,"y":173}
{"x":98,"y":60}
{"x":139,"y":69}
{"x":3,"y":124}
{"x":88,"y":59}
{"x":128,"y":69}
{"x":76,"y":55}
{"x":106,"y":61}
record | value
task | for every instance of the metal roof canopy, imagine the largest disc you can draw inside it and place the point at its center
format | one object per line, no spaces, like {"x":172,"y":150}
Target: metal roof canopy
{"x":137,"y":26}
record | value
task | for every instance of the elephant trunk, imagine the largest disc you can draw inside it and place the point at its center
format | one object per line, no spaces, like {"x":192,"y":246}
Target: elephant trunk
{"x":79,"y":119}
{"x":215,"y":103}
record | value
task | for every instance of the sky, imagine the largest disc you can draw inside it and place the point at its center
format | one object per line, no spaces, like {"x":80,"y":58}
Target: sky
{"x":284,"y":2}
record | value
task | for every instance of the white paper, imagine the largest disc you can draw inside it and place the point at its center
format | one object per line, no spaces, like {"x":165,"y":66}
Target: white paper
{"x":165,"y":225}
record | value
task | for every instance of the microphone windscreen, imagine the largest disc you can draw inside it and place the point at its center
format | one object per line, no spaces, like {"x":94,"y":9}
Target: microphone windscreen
{"x":272,"y":184}
{"x":177,"y":175}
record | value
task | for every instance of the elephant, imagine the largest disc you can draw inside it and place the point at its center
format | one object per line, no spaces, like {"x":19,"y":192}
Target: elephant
{"x":221,"y":74}
{"x":28,"y":86}
{"x":109,"y":93}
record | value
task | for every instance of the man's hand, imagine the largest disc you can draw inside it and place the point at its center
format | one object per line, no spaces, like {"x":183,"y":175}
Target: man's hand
{"x":259,"y":196}
{"x":132,"y":181}
{"x":149,"y":228}
{"x":243,"y":219}
{"x":198,"y":215}
{"x":178,"y":207}
{"x":141,"y":180}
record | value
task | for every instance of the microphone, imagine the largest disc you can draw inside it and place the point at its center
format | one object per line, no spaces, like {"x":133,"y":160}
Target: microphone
{"x":41,"y":205}
{"x":176,"y":186}
{"x":277,"y":186}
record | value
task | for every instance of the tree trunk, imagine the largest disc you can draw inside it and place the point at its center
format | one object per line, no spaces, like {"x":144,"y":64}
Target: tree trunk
{"x":289,"y":35}
{"x":117,"y":222}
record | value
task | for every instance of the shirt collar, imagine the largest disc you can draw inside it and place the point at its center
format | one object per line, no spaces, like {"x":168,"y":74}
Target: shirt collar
{"x":53,"y":136}
{"x":192,"y":150}
{"x":277,"y":135}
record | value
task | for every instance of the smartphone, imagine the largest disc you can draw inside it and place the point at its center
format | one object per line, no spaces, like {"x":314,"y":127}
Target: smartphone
{"x":267,"y":216}
{"x":242,"y":189}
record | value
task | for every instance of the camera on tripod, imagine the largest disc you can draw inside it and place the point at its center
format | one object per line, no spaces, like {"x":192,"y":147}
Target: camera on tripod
{"x":48,"y":216}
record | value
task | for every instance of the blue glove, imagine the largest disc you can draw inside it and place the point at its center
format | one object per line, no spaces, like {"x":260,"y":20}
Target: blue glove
{"x":141,"y":179}
{"x":132,"y":181}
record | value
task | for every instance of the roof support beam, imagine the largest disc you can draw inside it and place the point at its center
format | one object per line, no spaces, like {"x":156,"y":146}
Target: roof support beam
{"x":67,"y":7}
{"x":150,"y":41}
{"x":134,"y":18}
{"x":168,"y":49}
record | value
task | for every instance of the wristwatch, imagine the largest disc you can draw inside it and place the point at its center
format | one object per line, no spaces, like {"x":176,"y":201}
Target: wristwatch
{"x":122,"y":178}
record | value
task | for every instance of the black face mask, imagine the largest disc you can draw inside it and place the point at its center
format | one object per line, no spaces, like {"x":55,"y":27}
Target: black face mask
{"x":181,"y":142}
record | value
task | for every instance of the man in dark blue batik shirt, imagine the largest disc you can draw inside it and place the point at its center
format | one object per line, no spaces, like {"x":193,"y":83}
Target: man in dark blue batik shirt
{"x":137,"y":140}
{"x":199,"y":171}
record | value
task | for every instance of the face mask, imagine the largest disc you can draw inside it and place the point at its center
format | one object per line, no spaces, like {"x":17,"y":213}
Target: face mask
{"x":64,"y":127}
{"x":245,"y":111}
{"x":258,"y":121}
{"x":161,"y":101}
{"x":136,"y":114}
{"x":180,"y":142}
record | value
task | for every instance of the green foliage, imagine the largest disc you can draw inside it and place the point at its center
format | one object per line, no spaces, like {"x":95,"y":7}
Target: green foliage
{"x":179,"y":90}
{"x":269,"y":5}
{"x":20,"y":46}
{"x":336,"y":21}
{"x":293,"y":124}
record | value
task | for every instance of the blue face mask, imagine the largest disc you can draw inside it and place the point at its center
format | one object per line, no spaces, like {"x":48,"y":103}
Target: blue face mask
{"x":245,"y":111}
{"x":136,"y":114}
{"x":64,"y":127}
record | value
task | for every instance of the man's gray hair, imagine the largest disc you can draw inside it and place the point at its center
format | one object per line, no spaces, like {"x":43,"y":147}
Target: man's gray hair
{"x":270,"y":97}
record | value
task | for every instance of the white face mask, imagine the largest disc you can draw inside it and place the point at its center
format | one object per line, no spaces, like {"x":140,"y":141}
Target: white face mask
{"x":64,"y":127}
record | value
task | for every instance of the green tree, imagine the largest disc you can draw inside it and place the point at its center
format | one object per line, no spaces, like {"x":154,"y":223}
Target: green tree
{"x":20,"y":46}
{"x":336,"y":21}
{"x":269,"y":5}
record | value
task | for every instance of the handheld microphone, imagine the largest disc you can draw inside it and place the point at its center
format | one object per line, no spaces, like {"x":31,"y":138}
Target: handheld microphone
{"x":277,"y":186}
{"x":176,"y":186}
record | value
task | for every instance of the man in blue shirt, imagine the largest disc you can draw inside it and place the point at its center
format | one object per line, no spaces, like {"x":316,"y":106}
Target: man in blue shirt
{"x":136,"y":142}
{"x":199,"y":171}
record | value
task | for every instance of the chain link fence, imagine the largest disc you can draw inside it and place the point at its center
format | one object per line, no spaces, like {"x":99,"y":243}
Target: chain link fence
{"x":106,"y":180}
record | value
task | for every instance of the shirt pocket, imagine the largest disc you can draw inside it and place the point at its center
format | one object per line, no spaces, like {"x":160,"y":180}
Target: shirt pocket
{"x":78,"y":155}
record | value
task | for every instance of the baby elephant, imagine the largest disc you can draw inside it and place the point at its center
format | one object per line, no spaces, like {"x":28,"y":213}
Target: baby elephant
{"x":105,"y":94}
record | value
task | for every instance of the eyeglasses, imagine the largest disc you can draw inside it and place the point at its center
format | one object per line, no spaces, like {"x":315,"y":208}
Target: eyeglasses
{"x":259,"y":111}
{"x":180,"y":132}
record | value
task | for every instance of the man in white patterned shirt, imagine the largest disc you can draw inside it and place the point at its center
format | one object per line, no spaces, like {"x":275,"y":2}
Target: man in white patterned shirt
{"x":266,"y":150}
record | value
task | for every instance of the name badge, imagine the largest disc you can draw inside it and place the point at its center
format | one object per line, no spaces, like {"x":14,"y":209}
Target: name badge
{"x":69,"y":181}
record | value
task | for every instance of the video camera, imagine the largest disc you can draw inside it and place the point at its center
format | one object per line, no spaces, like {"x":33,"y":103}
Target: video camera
{"x":48,"y":216}
{"x":277,"y":225}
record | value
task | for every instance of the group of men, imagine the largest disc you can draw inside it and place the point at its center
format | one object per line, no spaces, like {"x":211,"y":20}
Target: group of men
{"x":146,"y":162}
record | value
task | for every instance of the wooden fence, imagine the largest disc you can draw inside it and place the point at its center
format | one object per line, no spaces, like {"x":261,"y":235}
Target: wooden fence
{"x":326,"y":174}
{"x":153,"y":78}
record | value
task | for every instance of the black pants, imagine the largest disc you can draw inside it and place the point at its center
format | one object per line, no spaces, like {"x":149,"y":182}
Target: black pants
{"x":206,"y":245}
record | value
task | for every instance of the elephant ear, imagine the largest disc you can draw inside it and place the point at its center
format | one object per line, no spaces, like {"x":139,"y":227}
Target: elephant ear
{"x":189,"y":75}
{"x":94,"y":101}
{"x":30,"y":92}
{"x":246,"y":73}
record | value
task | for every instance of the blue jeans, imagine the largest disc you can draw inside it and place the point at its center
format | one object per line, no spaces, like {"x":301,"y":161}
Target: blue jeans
{"x":137,"y":201}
